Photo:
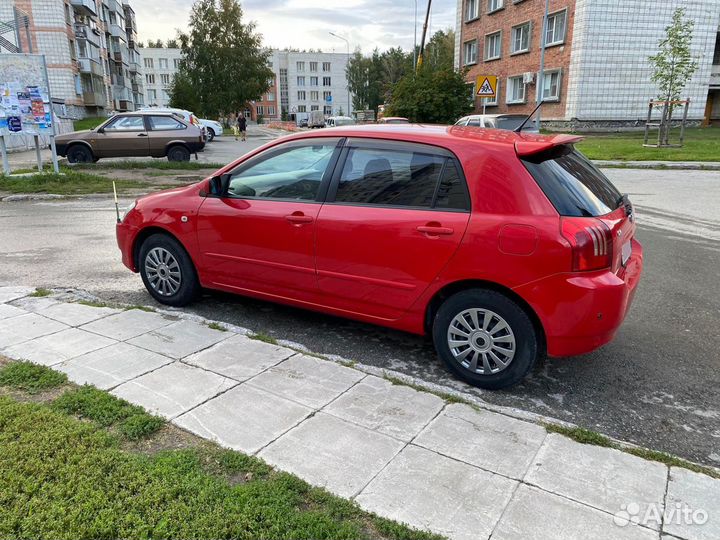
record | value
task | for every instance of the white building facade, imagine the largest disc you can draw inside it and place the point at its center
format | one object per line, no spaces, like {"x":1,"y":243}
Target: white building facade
{"x":159,"y":66}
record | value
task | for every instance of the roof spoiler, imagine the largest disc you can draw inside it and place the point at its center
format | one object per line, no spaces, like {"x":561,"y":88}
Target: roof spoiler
{"x":530,"y":147}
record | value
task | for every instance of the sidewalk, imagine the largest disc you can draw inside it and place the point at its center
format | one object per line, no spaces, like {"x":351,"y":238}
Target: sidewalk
{"x":464,"y":472}
{"x":674,"y":165}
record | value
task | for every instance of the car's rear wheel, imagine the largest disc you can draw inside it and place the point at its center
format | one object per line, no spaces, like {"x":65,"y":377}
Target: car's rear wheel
{"x":167,"y":271}
{"x":178,"y":153}
{"x":485,"y":338}
{"x":210,"y":134}
{"x":79,"y":153}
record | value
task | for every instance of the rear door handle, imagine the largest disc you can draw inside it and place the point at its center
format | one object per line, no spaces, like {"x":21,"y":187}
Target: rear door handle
{"x":142,"y":134}
{"x":298,"y":218}
{"x":435,"y":231}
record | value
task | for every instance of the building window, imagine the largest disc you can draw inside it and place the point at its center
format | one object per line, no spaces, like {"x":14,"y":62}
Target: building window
{"x":165,"y":79}
{"x":326,"y":81}
{"x":314,"y":95}
{"x":327,"y":110}
{"x":150,"y":78}
{"x":270,"y":96}
{"x":555,"y":34}
{"x":472,"y":10}
{"x":260,"y":110}
{"x":152,"y":95}
{"x":149,"y":63}
{"x":491,"y":102}
{"x":314,"y":107}
{"x":551,"y":85}
{"x":302,"y":108}
{"x":520,"y":41}
{"x":301,"y":81}
{"x":301,"y":95}
{"x":313,"y":81}
{"x":493,"y":46}
{"x":271,"y":110}
{"x":326,"y":95}
{"x":326,"y":67}
{"x":163,"y":63}
{"x":300,"y":66}
{"x":176,"y":63}
{"x":470,"y":52}
{"x":516,"y":90}
{"x":494,"y":5}
{"x":313,"y":66}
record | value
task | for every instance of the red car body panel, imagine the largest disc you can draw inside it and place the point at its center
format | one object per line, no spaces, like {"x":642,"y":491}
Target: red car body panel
{"x":384,"y":265}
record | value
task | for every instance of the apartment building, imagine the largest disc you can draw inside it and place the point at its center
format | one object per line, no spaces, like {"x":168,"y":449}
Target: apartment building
{"x":159,"y":67}
{"x":90,"y":48}
{"x":596,"y":72}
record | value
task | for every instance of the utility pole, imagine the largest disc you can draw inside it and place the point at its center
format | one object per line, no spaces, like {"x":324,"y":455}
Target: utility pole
{"x":422,"y":39}
{"x":415,"y":51}
{"x":541,"y":75}
{"x":349,"y":111}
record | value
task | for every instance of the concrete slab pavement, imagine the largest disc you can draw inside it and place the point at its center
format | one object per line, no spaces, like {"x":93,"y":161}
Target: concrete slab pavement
{"x":457,"y":470}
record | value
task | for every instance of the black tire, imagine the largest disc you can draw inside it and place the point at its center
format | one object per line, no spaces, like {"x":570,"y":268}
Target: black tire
{"x":210,"y":134}
{"x":188,"y":287}
{"x":178,"y":153}
{"x":79,"y":153}
{"x":526,"y":347}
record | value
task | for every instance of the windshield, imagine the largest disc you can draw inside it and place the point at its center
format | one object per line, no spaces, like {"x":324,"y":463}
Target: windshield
{"x":513,"y":122}
{"x":572,"y":183}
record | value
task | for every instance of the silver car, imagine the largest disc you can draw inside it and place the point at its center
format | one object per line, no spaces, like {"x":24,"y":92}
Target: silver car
{"x":509,"y":122}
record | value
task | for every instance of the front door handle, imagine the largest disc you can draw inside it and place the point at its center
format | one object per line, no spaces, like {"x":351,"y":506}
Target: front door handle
{"x":298,"y":218}
{"x":142,"y":134}
{"x":435,"y":230}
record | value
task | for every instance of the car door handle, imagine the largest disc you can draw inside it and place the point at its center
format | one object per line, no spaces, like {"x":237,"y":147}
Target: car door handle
{"x":298,"y":218}
{"x":435,"y":230}
{"x":142,"y":134}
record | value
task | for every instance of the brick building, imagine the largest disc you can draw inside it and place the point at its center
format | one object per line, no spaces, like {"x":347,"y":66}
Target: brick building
{"x":597,"y":72}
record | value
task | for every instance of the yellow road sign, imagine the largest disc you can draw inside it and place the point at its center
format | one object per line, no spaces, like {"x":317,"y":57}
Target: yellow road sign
{"x":486,"y":86}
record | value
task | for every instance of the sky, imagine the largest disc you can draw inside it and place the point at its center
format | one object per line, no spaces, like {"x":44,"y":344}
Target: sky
{"x":305,"y":24}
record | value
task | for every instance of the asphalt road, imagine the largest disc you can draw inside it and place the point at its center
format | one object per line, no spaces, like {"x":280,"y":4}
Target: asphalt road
{"x":656,"y":385}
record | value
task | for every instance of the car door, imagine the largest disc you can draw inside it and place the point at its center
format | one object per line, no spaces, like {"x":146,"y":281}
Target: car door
{"x":395,"y":214}
{"x":162,"y":130}
{"x":124,"y":136}
{"x":259,"y":234}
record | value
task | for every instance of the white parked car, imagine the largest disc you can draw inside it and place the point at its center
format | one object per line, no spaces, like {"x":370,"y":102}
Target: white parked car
{"x":214,"y":129}
{"x":335,"y":121}
{"x":498,"y":121}
{"x":188,"y":116}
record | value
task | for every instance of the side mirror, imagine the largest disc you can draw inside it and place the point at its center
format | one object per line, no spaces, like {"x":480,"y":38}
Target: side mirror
{"x":219,"y":185}
{"x":101,"y":130}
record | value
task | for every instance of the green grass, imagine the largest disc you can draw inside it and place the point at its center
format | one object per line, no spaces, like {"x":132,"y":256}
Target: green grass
{"x":264,"y":337}
{"x":88,"y":123}
{"x":216,"y":326}
{"x":39,"y":293}
{"x":701,"y":144}
{"x":147,"y":309}
{"x":67,"y":183}
{"x":149,"y":164}
{"x":448,"y":398}
{"x":91,"y":303}
{"x":63,"y":478}
{"x":30,"y":378}
{"x":585,"y":436}
{"x":106,"y":410}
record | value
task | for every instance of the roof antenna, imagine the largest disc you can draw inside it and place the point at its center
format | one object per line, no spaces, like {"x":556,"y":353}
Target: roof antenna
{"x":521,"y":126}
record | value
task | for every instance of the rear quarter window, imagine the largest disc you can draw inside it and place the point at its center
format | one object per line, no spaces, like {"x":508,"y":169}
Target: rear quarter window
{"x":572,"y":183}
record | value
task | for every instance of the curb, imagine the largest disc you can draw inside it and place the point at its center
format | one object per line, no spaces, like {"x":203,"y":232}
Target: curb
{"x":659,"y":165}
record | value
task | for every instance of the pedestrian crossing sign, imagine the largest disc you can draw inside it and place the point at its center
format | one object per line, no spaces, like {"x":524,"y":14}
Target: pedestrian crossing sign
{"x":486,"y":86}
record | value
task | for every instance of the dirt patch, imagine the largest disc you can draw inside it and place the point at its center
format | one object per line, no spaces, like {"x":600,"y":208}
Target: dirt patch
{"x":157,"y":177}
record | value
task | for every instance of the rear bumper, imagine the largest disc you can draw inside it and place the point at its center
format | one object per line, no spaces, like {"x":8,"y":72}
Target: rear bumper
{"x":582,"y":312}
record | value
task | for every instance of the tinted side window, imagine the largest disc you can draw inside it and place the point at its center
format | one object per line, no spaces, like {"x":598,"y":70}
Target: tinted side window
{"x":451,"y":193}
{"x":473,"y":123}
{"x":389,"y":177}
{"x":572,"y":183}
{"x":127,"y":123}
{"x":290,"y":173}
{"x":165,"y":123}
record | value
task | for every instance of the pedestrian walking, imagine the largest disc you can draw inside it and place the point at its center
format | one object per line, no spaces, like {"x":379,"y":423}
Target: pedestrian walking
{"x":242,"y":126}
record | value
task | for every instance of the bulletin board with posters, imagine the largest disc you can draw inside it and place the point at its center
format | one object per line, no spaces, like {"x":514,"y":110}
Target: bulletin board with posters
{"x":25,"y":105}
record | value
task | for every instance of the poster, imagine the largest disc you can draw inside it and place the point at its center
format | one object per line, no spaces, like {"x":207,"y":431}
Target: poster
{"x":25,"y":105}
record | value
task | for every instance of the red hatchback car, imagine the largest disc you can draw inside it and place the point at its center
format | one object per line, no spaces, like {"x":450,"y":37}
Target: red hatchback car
{"x":502,"y":246}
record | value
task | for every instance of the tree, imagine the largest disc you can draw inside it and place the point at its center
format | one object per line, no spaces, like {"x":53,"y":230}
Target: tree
{"x":172,"y":44}
{"x":431,"y":96}
{"x":440,"y":50}
{"x":366,"y":80}
{"x":157,"y":44}
{"x":223,"y":62}
{"x":673,"y":66}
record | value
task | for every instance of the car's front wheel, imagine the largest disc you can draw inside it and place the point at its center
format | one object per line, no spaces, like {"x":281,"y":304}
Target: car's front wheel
{"x":485,"y":338}
{"x":210,"y":134}
{"x":167,"y":271}
{"x":79,"y":153}
{"x":178,"y":153}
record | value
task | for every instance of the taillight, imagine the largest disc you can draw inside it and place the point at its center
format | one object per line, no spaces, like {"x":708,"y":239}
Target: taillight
{"x":591,"y":242}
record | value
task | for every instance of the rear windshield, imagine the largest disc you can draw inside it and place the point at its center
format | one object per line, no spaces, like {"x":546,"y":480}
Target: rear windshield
{"x":513,"y":122}
{"x":572,"y":183}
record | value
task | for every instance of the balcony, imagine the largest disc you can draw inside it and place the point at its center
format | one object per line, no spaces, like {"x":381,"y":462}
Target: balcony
{"x":91,"y":66}
{"x":85,"y":7}
{"x":117,"y":31}
{"x":125,"y":105}
{"x":121,"y":55}
{"x":715,"y":76}
{"x":88,"y":34}
{"x":94,"y":99}
{"x":117,"y":80}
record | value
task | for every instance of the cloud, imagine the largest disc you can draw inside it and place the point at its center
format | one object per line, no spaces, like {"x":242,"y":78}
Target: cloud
{"x":305,"y":24}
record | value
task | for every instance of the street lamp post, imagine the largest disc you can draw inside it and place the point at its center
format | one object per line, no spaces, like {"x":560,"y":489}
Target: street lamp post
{"x":349,"y":111}
{"x":415,"y":38}
{"x":541,"y":75}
